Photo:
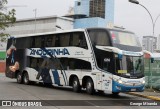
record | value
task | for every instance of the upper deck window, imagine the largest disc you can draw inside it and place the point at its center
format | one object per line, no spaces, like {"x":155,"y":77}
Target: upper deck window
{"x":76,"y":39}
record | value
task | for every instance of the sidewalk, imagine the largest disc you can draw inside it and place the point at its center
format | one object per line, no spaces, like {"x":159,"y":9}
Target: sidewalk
{"x":148,"y":93}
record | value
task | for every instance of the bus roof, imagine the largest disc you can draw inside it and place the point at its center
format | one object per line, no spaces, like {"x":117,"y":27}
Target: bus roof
{"x":65,"y":31}
{"x":47,"y":33}
{"x":112,"y":29}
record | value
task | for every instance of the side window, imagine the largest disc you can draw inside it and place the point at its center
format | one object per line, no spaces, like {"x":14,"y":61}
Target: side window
{"x":81,"y":64}
{"x":22,"y":43}
{"x":64,"y":39}
{"x":33,"y":63}
{"x":99,"y":37}
{"x":53,"y":42}
{"x":50,"y":40}
{"x":57,"y":41}
{"x":102,"y":38}
{"x":74,"y":64}
{"x":42,"y":41}
{"x":78,"y":39}
{"x":75,"y":39}
{"x":37,"y":42}
{"x":82,"y":41}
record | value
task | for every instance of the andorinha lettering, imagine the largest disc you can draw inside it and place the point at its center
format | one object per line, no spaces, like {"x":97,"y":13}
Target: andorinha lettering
{"x":41,"y":52}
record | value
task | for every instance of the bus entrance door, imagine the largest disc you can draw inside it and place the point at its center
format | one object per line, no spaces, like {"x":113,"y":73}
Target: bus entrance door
{"x":99,"y":81}
{"x":106,"y":82}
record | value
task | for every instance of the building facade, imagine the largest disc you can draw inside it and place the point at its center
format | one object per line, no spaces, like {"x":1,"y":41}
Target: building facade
{"x":149,"y":43}
{"x":40,"y":25}
{"x":99,"y":13}
{"x":31,"y":26}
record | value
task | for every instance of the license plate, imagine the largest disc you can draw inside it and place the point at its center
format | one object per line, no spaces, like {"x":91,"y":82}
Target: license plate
{"x":133,"y":89}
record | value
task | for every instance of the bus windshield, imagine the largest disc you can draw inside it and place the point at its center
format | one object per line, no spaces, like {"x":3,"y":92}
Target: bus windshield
{"x":124,"y":38}
{"x":129,"y":66}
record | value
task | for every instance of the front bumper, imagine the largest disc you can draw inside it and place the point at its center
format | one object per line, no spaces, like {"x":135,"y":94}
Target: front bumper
{"x":117,"y":87}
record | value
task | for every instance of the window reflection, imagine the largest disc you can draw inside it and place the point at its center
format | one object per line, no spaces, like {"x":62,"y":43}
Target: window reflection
{"x":129,"y":65}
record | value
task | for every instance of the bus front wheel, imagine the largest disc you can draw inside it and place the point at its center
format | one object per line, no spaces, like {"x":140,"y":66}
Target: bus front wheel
{"x":26,"y":78}
{"x":90,"y":86}
{"x":76,"y":85}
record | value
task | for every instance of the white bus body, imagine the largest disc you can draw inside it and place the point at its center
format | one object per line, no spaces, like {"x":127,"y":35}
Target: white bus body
{"x":78,"y":59}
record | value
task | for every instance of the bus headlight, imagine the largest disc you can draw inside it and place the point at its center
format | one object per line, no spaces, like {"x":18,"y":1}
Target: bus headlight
{"x":120,"y":81}
{"x":143,"y":82}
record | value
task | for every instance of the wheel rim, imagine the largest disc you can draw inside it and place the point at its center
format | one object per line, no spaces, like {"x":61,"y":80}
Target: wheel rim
{"x":19,"y":78}
{"x":89,"y":86}
{"x":25,"y":78}
{"x":75,"y":84}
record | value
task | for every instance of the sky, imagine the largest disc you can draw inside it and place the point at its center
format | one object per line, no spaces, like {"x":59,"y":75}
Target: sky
{"x":131,"y":16}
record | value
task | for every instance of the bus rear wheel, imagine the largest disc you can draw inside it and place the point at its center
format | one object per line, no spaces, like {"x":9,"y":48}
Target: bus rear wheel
{"x":26,"y":78}
{"x":76,"y":85}
{"x":90,"y":87}
{"x":19,"y":78}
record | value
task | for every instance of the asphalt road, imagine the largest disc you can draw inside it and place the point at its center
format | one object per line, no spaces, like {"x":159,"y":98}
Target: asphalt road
{"x":10,"y":90}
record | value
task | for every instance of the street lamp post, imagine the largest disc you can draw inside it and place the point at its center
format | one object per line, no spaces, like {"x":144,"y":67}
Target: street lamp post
{"x":35,"y":19}
{"x":153,"y":23}
{"x":156,"y":20}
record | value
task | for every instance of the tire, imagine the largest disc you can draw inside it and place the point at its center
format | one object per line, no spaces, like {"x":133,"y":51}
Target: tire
{"x":26,"y":78}
{"x":76,"y":85}
{"x":90,"y":87}
{"x":19,"y":78}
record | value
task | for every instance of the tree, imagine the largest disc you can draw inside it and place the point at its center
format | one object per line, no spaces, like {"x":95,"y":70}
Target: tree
{"x":7,"y":18}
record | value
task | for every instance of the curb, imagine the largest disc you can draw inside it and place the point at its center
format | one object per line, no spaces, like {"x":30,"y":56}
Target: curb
{"x":144,"y":96}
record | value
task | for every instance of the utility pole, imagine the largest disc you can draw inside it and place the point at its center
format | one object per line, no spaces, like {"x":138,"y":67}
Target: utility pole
{"x":35,"y":19}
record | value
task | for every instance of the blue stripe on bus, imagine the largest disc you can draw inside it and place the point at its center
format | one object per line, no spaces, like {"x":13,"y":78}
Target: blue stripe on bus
{"x":56,"y":77}
{"x":63,"y":71}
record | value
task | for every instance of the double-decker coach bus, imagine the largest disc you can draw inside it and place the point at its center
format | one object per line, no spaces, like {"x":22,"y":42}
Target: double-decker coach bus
{"x":93,"y":58}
